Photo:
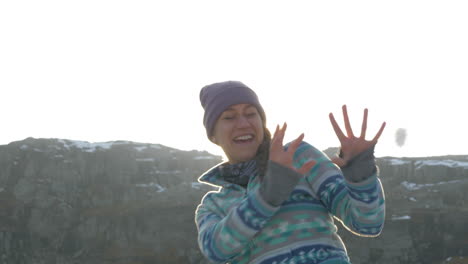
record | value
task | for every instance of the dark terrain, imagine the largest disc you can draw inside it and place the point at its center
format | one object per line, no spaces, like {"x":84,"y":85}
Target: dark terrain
{"x":64,"y":202}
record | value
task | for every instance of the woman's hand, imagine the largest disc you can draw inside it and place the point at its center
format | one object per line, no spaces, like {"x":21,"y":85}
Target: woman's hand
{"x":350,"y":144}
{"x":285,"y":157}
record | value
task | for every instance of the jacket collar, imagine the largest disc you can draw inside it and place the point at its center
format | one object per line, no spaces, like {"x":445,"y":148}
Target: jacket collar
{"x":226,"y":175}
{"x":213,"y":176}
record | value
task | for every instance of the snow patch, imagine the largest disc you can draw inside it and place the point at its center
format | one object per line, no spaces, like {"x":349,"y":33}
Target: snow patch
{"x":122,"y":142}
{"x":141,"y":148}
{"x":397,"y":162}
{"x":448,"y":163}
{"x":23,"y":147}
{"x":413,"y":199}
{"x":87,"y":146}
{"x":421,"y":163}
{"x":156,"y":171}
{"x":146,"y":160}
{"x":411,"y":186}
{"x":158,"y":187}
{"x":197,"y":185}
{"x":204,"y":158}
{"x":399,"y":218}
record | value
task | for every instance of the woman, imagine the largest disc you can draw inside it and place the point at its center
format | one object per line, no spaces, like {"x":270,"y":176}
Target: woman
{"x":276,"y":203}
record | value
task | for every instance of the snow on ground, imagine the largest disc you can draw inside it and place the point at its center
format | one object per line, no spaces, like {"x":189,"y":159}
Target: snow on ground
{"x":153,"y":146}
{"x":141,"y":148}
{"x":158,"y":187}
{"x":398,"y":162}
{"x":91,"y":147}
{"x":87,"y":146}
{"x":411,"y":186}
{"x":197,"y":185}
{"x":398,"y":218}
{"x":204,"y":157}
{"x":173,"y":172}
{"x":146,"y":160}
{"x":421,"y":163}
{"x":449,"y":163}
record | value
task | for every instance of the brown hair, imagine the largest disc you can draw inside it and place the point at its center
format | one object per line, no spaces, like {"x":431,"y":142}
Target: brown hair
{"x":263,"y":153}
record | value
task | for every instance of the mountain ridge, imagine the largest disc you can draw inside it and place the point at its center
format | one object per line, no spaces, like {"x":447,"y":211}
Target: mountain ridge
{"x":67,"y":201}
{"x":330,"y":151}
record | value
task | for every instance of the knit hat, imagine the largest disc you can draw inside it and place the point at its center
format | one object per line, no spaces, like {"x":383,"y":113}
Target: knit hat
{"x":217,"y":97}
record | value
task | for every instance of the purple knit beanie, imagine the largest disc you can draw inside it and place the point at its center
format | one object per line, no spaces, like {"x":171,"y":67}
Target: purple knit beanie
{"x":217,"y":97}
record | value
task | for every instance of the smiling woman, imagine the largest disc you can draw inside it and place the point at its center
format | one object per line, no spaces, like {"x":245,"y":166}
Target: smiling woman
{"x":276,"y":202}
{"x":239,"y":132}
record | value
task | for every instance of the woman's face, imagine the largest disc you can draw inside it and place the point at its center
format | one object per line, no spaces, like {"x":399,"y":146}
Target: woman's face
{"x":239,"y":132}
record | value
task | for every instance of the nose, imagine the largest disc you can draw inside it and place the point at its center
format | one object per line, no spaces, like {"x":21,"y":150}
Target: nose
{"x":242,"y":122}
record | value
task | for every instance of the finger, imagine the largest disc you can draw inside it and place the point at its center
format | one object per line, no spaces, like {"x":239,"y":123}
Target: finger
{"x":282,"y":132}
{"x":337,"y":128}
{"x":295,"y":144}
{"x":277,"y":141}
{"x":346,"y":121}
{"x":364,"y":124}
{"x":274,"y":140}
{"x":306,"y":167}
{"x":276,"y":131}
{"x":339,"y":161}
{"x":376,"y":138}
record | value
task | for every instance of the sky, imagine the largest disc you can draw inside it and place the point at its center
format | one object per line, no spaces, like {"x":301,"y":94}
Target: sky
{"x":100,"y":71}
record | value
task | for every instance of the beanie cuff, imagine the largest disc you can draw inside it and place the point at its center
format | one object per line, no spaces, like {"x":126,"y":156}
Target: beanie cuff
{"x":218,"y":97}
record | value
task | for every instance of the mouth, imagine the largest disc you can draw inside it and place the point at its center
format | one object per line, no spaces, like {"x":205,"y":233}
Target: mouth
{"x":244,"y":139}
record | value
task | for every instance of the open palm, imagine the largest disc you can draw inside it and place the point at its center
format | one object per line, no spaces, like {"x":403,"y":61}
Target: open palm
{"x":350,"y":144}
{"x":285,"y":157}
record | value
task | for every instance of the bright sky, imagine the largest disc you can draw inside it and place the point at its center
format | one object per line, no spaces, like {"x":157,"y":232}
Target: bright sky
{"x":132,"y":70}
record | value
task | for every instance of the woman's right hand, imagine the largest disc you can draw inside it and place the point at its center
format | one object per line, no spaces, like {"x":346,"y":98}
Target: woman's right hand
{"x":285,"y":157}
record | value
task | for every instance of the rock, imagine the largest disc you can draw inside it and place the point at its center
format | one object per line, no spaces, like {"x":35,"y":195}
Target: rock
{"x":426,"y":203}
{"x":64,"y":201}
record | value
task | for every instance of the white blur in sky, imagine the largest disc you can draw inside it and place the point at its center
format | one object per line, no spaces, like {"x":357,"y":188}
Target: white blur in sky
{"x":132,"y":70}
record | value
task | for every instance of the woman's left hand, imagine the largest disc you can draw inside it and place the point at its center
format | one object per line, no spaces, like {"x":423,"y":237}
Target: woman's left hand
{"x":286,"y":157}
{"x":350,"y":144}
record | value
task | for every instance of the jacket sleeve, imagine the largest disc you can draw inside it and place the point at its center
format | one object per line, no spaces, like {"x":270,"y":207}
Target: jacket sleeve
{"x":356,"y":200}
{"x":221,"y":236}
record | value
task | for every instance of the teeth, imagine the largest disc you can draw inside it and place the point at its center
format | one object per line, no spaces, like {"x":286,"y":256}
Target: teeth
{"x":246,"y":137}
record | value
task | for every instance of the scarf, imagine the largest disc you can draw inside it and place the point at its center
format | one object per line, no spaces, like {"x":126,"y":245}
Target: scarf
{"x":239,"y":173}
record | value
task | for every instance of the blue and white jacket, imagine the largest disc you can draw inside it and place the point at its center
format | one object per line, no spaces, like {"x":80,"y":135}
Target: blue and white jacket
{"x":287,"y":217}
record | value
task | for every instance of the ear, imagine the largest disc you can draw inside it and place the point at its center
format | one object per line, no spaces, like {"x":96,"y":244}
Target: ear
{"x":213,"y":139}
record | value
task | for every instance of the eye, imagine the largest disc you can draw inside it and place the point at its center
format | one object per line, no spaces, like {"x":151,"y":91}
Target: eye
{"x":252,"y":114}
{"x":228,"y":117}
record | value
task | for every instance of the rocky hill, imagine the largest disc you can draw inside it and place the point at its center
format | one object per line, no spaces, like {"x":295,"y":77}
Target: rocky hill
{"x":64,"y":202}
{"x":427,"y":212}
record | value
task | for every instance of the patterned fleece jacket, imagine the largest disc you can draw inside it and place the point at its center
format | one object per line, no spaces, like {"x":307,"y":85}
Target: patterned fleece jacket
{"x":288,"y":217}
